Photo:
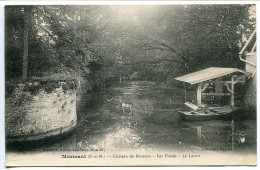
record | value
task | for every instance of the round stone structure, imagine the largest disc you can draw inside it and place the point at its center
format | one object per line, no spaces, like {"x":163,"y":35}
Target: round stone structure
{"x":39,"y":109}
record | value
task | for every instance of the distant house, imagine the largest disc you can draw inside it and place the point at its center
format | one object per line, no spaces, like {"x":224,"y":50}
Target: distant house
{"x":248,"y":56}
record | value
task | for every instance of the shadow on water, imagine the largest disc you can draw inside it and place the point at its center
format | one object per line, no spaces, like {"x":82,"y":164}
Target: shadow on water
{"x":144,"y":115}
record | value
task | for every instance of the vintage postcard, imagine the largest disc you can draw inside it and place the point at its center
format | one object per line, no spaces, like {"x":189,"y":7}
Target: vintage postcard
{"x":130,"y":84}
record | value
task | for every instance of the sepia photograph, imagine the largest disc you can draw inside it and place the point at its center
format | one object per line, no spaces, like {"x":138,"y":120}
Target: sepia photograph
{"x":130,"y":85}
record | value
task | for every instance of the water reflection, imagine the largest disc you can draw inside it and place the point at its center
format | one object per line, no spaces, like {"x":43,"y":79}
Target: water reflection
{"x":221,"y":136}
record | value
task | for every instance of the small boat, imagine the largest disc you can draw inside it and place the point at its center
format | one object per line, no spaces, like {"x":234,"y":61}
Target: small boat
{"x":210,"y":113}
{"x":219,"y":83}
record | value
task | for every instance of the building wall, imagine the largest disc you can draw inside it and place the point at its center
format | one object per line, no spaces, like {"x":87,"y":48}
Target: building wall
{"x":34,"y":116}
{"x":251,"y":57}
{"x":250,"y":92}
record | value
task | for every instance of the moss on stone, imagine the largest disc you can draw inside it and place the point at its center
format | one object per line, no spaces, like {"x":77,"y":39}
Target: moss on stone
{"x":9,"y":89}
{"x":34,"y":86}
{"x":32,"y":89}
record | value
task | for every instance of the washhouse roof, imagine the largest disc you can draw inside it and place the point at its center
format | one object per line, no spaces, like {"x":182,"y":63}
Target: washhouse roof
{"x":208,"y":74}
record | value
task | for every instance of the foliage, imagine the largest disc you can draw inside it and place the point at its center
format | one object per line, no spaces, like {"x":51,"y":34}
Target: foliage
{"x":192,"y":37}
{"x":100,"y":44}
{"x":34,"y":86}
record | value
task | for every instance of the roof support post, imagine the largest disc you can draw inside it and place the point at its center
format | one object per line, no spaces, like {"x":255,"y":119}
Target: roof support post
{"x":231,"y":90}
{"x":232,"y":100}
{"x":199,"y":95}
{"x":185,"y":92}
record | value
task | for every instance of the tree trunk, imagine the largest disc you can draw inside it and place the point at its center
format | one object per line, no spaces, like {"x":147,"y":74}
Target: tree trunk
{"x":25,"y":43}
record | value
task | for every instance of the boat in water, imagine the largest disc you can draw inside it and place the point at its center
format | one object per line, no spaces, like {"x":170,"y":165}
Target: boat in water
{"x":209,"y":113}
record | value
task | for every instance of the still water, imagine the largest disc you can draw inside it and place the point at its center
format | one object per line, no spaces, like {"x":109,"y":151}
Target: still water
{"x":143,"y":116}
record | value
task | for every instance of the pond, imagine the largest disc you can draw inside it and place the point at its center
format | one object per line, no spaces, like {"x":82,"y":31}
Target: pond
{"x":142,"y":115}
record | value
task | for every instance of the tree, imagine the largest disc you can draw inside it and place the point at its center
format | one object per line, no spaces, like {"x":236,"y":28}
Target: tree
{"x":105,"y":42}
{"x":189,"y":37}
{"x":27,"y":13}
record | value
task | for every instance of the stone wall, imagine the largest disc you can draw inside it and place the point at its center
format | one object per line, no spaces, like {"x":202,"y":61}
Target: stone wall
{"x":30,"y":116}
